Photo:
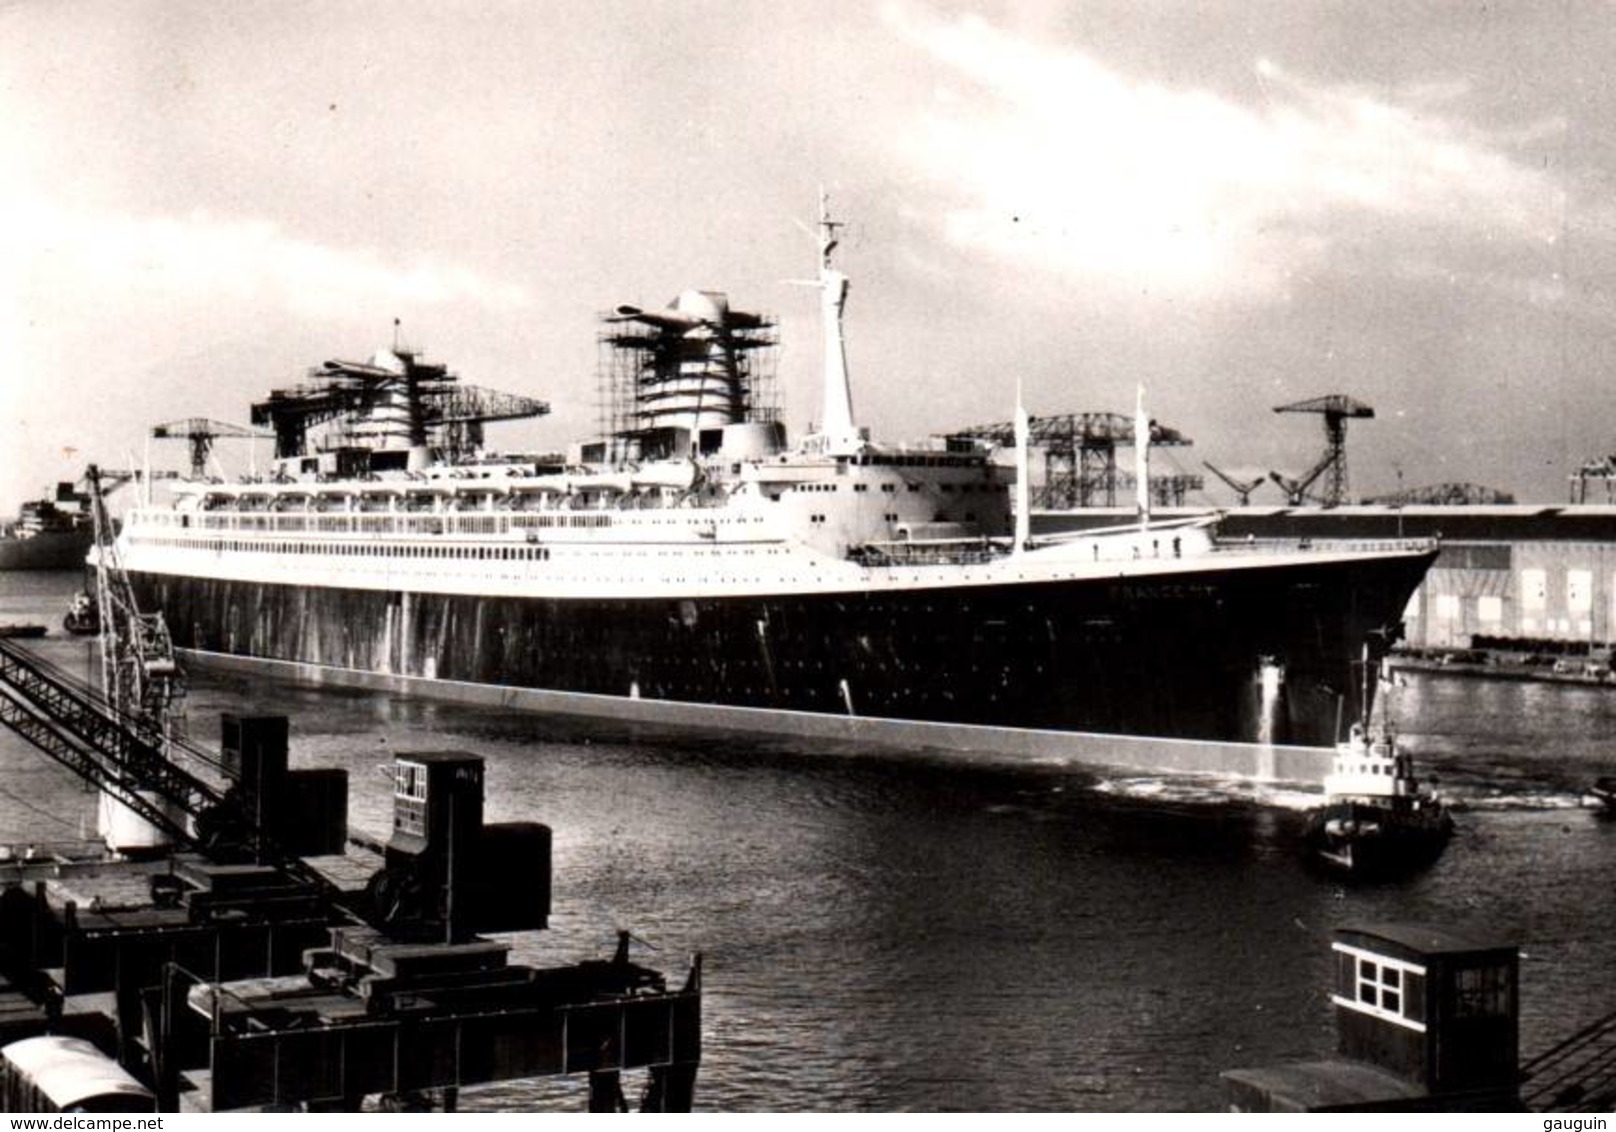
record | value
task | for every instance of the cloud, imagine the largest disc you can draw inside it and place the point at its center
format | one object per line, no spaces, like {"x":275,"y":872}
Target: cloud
{"x":1046,"y":157}
{"x":48,"y":248}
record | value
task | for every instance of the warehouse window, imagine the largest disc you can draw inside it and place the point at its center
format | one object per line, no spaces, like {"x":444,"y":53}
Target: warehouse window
{"x":1490,"y":610}
{"x":1534,"y":589}
{"x":1579,"y":590}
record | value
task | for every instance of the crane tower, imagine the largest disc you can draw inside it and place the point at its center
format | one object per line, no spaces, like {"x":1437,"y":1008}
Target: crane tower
{"x":202,"y":433}
{"x":1336,"y":409}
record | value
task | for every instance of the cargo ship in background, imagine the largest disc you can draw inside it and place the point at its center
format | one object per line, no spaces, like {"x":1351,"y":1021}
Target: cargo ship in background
{"x":692,"y":557}
{"x":49,"y":534}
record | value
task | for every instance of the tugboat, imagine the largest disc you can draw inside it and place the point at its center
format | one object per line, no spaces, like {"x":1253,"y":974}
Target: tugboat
{"x":82,"y":619}
{"x":1377,"y":820}
{"x":1603,"y":791}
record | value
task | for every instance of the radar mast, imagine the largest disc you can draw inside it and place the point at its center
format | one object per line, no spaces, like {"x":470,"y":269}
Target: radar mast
{"x":837,"y":433}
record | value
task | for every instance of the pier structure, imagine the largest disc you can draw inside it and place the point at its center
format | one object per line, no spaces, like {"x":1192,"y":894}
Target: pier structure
{"x":416,"y":1023}
{"x":269,"y":959}
{"x":1426,"y":1019}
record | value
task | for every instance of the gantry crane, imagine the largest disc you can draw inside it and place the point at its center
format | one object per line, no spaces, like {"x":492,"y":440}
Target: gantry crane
{"x":1080,"y":457}
{"x":1336,"y":409}
{"x":202,"y":433}
{"x":460,"y":413}
{"x":395,"y":395}
{"x":1445,"y":495}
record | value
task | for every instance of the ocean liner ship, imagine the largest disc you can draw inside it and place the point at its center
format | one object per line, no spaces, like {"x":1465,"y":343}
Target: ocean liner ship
{"x":692,"y":557}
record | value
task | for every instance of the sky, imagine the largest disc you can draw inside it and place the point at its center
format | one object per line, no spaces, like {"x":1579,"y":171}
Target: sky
{"x":1235,"y":204}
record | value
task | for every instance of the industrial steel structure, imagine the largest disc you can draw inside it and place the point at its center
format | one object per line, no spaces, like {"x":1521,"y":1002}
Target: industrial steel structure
{"x":1080,"y":458}
{"x":1444,"y":495}
{"x":1242,"y":488}
{"x":394,"y":401}
{"x":201,"y":433}
{"x":1599,"y":472}
{"x":670,"y":380}
{"x":1336,"y":409}
{"x":256,"y":965}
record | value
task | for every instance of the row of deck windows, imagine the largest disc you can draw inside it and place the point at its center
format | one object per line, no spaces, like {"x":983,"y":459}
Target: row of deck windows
{"x":422,"y":524}
{"x":892,"y":487}
{"x":391,"y":524}
{"x":352,"y":550}
{"x":373,"y":550}
{"x":928,"y":461}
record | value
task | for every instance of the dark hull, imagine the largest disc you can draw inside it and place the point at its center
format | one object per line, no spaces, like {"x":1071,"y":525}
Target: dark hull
{"x":1604,"y":791}
{"x":1171,"y":656}
{"x":52,"y":550}
{"x":1376,"y":841}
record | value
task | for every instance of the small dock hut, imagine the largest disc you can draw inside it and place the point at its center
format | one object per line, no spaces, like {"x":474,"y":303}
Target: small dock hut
{"x":1426,"y":1019}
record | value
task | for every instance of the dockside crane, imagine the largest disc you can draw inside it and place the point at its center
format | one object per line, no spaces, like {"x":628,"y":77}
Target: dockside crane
{"x":201,"y":433}
{"x":1336,"y":409}
{"x":139,"y":673}
{"x":121,"y":740}
{"x":1296,"y":490}
{"x":1242,"y":488}
{"x":268,"y":952}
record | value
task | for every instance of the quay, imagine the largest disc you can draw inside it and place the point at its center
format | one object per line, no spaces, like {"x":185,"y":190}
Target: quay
{"x":1428,"y":1020}
{"x":243,"y":953}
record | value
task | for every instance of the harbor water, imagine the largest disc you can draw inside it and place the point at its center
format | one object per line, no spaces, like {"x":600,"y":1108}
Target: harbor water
{"x":890,"y":930}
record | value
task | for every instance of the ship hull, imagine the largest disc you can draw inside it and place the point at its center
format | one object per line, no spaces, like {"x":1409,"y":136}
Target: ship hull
{"x":49,"y":550}
{"x":1378,"y":840}
{"x":1178,"y":656}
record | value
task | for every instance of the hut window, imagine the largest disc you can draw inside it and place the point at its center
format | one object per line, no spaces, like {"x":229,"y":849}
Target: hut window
{"x":1391,"y":989}
{"x":1369,"y":975}
{"x":1482,"y":992}
{"x":1380,"y":986}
